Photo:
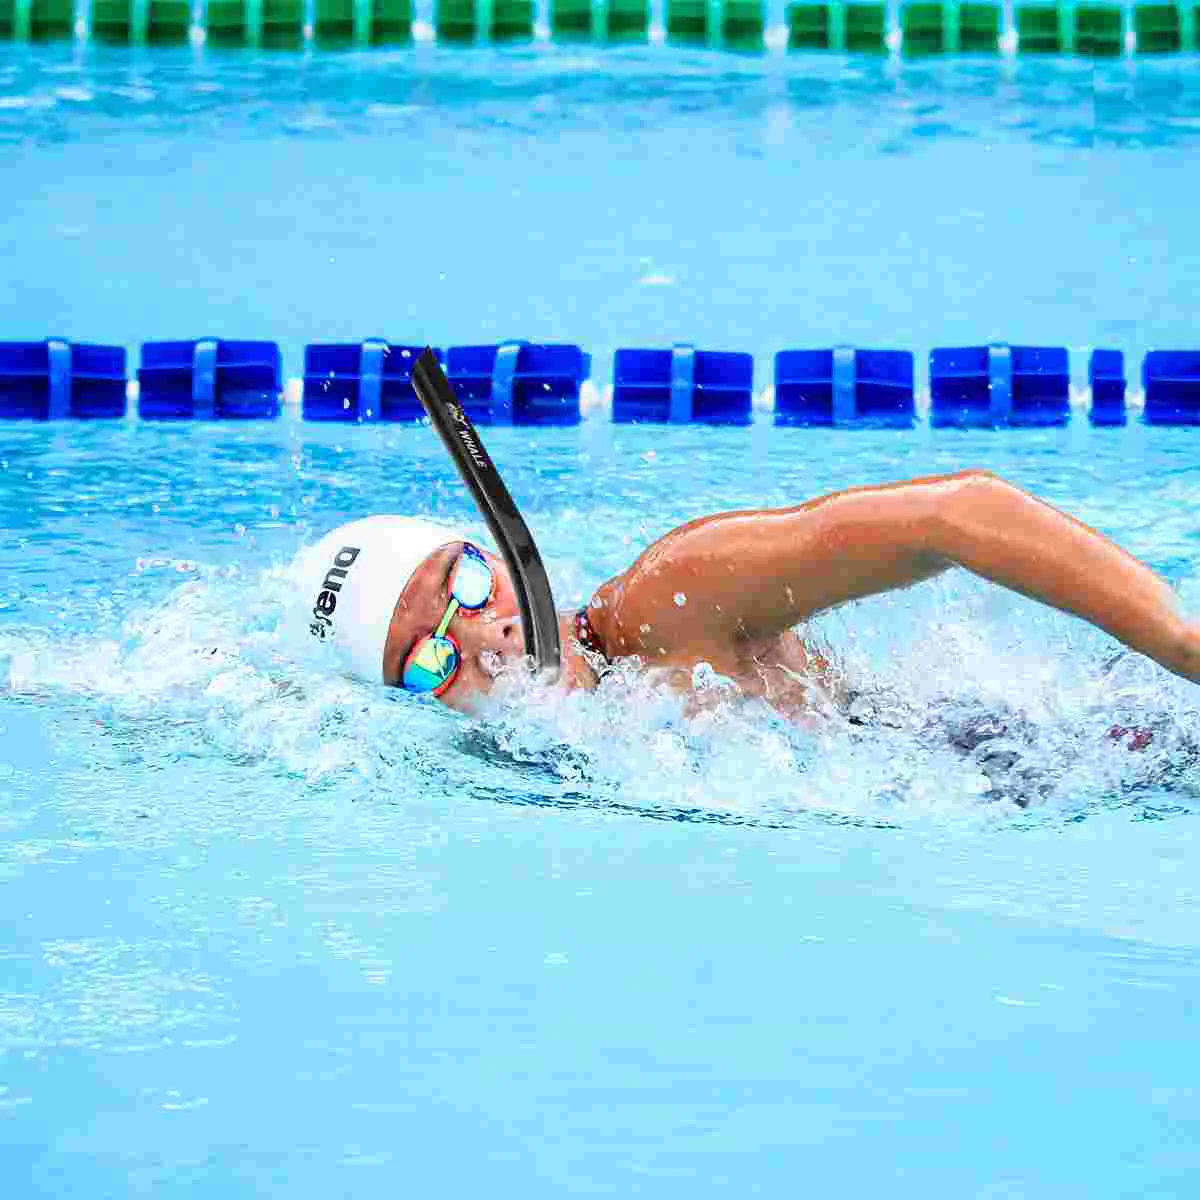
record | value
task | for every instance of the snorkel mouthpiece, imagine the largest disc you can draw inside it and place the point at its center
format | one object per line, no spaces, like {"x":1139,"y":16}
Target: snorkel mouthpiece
{"x":539,"y":618}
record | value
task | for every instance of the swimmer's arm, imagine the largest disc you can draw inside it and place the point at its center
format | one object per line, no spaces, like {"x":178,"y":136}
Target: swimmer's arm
{"x":730,"y":582}
{"x":746,"y":577}
{"x":1002,"y":533}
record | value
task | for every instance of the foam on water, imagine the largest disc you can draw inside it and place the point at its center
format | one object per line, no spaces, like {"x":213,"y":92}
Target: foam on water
{"x":215,"y":670}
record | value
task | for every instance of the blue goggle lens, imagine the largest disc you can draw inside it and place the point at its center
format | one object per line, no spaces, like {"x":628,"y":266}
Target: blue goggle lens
{"x":431,"y":665}
{"x":471,"y":583}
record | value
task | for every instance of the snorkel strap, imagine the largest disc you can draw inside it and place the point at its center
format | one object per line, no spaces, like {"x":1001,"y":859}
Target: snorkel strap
{"x":539,"y":618}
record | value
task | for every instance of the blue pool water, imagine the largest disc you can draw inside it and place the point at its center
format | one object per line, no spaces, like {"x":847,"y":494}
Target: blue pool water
{"x":267,"y":932}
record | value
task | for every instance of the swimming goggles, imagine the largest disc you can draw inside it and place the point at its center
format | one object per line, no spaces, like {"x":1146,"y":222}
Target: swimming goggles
{"x":434,"y":660}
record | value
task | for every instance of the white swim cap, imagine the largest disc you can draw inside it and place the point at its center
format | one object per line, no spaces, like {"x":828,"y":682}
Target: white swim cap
{"x":350,"y":581}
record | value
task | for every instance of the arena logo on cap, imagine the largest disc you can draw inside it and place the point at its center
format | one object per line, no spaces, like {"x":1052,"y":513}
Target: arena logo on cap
{"x":327,"y":597}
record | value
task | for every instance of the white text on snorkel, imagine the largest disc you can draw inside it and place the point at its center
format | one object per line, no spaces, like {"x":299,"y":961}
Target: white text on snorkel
{"x":464,"y":436}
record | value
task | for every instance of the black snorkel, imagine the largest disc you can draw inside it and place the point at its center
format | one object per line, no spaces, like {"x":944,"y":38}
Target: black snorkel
{"x":539,"y":618}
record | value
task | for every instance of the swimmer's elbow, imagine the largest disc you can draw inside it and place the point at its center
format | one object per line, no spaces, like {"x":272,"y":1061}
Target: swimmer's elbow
{"x":964,"y":503}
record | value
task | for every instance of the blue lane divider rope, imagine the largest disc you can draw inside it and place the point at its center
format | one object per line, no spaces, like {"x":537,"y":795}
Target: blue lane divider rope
{"x":1000,"y":384}
{"x":1171,"y":379}
{"x":845,"y":377}
{"x":204,"y":380}
{"x":526,"y":383}
{"x":361,"y":382}
{"x":504,"y":373}
{"x":1106,"y":375}
{"x":513,"y":383}
{"x":683,"y":384}
{"x":999,"y":387}
{"x":58,"y":355}
{"x":56,"y":379}
{"x":370,"y":379}
{"x":209,"y":379}
{"x":845,"y":387}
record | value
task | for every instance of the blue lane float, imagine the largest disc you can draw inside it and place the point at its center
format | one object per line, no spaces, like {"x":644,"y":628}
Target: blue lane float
{"x":682,"y":386}
{"x":363,"y":382}
{"x":1171,"y":379}
{"x":999,"y":386}
{"x":210,"y":380}
{"x":510,"y":383}
{"x":55,"y":380}
{"x":845,"y":387}
{"x":519,"y":383}
{"x":1106,"y":377}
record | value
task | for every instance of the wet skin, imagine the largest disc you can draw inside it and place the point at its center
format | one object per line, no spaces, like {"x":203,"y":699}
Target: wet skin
{"x":490,"y":639}
{"x":748,"y":579}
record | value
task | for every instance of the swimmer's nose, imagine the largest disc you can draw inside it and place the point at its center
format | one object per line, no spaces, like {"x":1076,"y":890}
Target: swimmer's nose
{"x":513,"y":635}
{"x":505,"y":635}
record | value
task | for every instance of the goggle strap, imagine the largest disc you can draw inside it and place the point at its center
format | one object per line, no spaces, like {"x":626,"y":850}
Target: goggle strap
{"x":451,"y":609}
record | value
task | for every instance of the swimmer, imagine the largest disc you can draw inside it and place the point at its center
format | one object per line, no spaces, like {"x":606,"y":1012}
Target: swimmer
{"x":418,"y":606}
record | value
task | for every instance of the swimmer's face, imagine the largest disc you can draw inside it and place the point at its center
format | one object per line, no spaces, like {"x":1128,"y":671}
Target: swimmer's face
{"x":490,"y":639}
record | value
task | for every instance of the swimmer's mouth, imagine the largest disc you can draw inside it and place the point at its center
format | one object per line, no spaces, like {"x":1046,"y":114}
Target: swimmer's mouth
{"x":492,"y":663}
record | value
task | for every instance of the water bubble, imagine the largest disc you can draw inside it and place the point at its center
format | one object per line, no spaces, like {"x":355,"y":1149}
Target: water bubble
{"x":680,"y":599}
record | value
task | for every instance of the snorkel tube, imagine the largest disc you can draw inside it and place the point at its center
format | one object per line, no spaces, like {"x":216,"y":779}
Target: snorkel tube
{"x":539,"y":618}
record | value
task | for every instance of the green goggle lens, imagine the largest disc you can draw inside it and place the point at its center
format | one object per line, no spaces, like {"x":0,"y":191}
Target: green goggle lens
{"x":431,"y":665}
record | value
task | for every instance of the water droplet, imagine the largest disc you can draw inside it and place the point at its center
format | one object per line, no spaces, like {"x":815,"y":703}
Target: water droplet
{"x":680,"y":599}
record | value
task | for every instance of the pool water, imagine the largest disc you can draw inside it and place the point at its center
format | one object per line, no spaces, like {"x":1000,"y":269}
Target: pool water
{"x":269,"y":932}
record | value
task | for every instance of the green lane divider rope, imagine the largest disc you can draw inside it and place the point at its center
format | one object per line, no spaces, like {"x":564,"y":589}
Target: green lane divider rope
{"x":512,"y":21}
{"x":1088,"y":28}
{"x":628,"y":20}
{"x":338,"y":24}
{"x":577,"y":21}
{"x":866,"y":28}
{"x":743,"y":25}
{"x":1189,"y":28}
{"x":618,"y":21}
{"x":168,"y":22}
{"x":854,"y":28}
{"x":687,"y":21}
{"x":455,"y":21}
{"x":1100,"y":30}
{"x":950,"y":28}
{"x":1157,"y":27}
{"x":1044,"y":28}
{"x":1091,"y":30}
{"x":979,"y":31}
{"x":258,"y":24}
{"x":730,"y":25}
{"x":226,"y":23}
{"x":282,"y":25}
{"x":1166,"y":28}
{"x":252,"y":23}
{"x":38,"y":20}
